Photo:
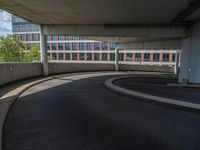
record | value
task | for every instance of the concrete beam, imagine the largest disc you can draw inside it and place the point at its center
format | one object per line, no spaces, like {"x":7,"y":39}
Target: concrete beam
{"x":109,"y":31}
{"x":162,"y":44}
{"x":189,"y":10}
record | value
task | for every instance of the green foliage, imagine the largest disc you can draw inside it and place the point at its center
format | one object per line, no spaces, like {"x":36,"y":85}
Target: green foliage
{"x":11,"y":49}
{"x":33,"y":55}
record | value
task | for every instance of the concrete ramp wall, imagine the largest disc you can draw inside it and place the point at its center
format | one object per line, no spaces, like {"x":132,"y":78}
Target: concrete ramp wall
{"x":15,"y":71}
{"x":79,"y":67}
{"x":10,"y":72}
{"x":128,"y":67}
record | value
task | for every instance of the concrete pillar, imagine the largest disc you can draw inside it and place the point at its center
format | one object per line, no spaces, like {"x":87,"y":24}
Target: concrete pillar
{"x":116,"y":59}
{"x":151,"y":56}
{"x":43,"y":52}
{"x":177,"y":60}
{"x":190,"y":59}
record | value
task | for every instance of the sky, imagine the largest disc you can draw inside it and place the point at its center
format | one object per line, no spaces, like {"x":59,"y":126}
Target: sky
{"x":5,"y":23}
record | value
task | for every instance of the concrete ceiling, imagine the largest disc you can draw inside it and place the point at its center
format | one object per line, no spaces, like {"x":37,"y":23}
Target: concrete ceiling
{"x":97,"y":12}
{"x":117,"y":18}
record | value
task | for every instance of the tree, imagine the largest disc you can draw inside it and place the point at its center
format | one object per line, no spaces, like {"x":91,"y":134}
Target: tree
{"x":11,"y":49}
{"x":34,"y":54}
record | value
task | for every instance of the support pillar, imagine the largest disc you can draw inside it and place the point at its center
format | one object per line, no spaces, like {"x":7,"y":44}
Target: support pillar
{"x":177,"y":60}
{"x":190,"y":58}
{"x":43,"y":52}
{"x":116,"y":59}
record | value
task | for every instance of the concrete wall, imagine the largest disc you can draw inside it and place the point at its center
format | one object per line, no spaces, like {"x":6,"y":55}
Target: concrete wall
{"x":164,"y":69}
{"x":78,"y":67}
{"x":15,"y":71}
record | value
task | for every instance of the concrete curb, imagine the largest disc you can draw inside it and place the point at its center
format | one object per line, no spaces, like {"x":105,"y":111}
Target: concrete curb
{"x":109,"y":84}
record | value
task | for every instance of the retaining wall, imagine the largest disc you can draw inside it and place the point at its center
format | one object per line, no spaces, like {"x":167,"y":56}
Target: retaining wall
{"x":15,"y":71}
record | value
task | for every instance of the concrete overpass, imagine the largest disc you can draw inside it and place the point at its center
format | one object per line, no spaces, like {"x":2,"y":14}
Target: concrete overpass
{"x":129,"y":23}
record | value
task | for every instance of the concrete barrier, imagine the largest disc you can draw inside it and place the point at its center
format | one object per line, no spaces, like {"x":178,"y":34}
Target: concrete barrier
{"x":128,"y":67}
{"x":79,"y":67}
{"x":15,"y":71}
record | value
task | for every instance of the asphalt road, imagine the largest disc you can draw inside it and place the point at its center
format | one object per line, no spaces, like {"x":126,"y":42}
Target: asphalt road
{"x":79,"y":113}
{"x":158,"y":87}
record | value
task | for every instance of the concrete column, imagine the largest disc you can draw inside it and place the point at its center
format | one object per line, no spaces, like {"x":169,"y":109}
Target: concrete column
{"x":100,"y":54}
{"x":170,"y":57}
{"x":161,"y":57}
{"x":177,"y":60}
{"x":151,"y":56}
{"x":142,"y":57}
{"x":125,"y":55}
{"x":108,"y":54}
{"x":116,"y":59}
{"x":133,"y":56}
{"x":185,"y":60}
{"x":43,"y":52}
{"x":190,"y":59}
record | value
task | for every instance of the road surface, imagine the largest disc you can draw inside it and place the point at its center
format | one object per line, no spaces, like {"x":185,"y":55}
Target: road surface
{"x":79,"y":113}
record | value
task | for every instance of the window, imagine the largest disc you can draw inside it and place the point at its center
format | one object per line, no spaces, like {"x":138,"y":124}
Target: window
{"x":81,"y":56}
{"x":53,"y":46}
{"x":165,"y":57}
{"x":74,"y":56}
{"x":112,"y":57}
{"x":67,"y":46}
{"x":112,"y":46}
{"x":54,"y":38}
{"x":28,"y":37}
{"x":89,"y":46}
{"x":129,"y":57}
{"x":104,"y":45}
{"x":67,"y":37}
{"x":146,"y":57}
{"x":75,"y":38}
{"x":49,"y":56}
{"x":96,"y":56}
{"x":82,"y":46}
{"x":96,"y":46}
{"x":48,"y":38}
{"x":22,"y":37}
{"x":54,"y":56}
{"x":60,"y":46}
{"x":174,"y":57}
{"x":89,"y":56}
{"x":156,"y":57}
{"x":48,"y":46}
{"x":74,"y":46}
{"x":104,"y":56}
{"x":60,"y":38}
{"x":60,"y":56}
{"x":138,"y":57}
{"x":35,"y":37}
{"x":121,"y":56}
{"x":28,"y":46}
{"x":67,"y":56}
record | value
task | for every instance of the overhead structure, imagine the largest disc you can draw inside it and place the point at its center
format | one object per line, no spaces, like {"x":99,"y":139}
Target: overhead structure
{"x":129,"y":23}
{"x":131,"y":20}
